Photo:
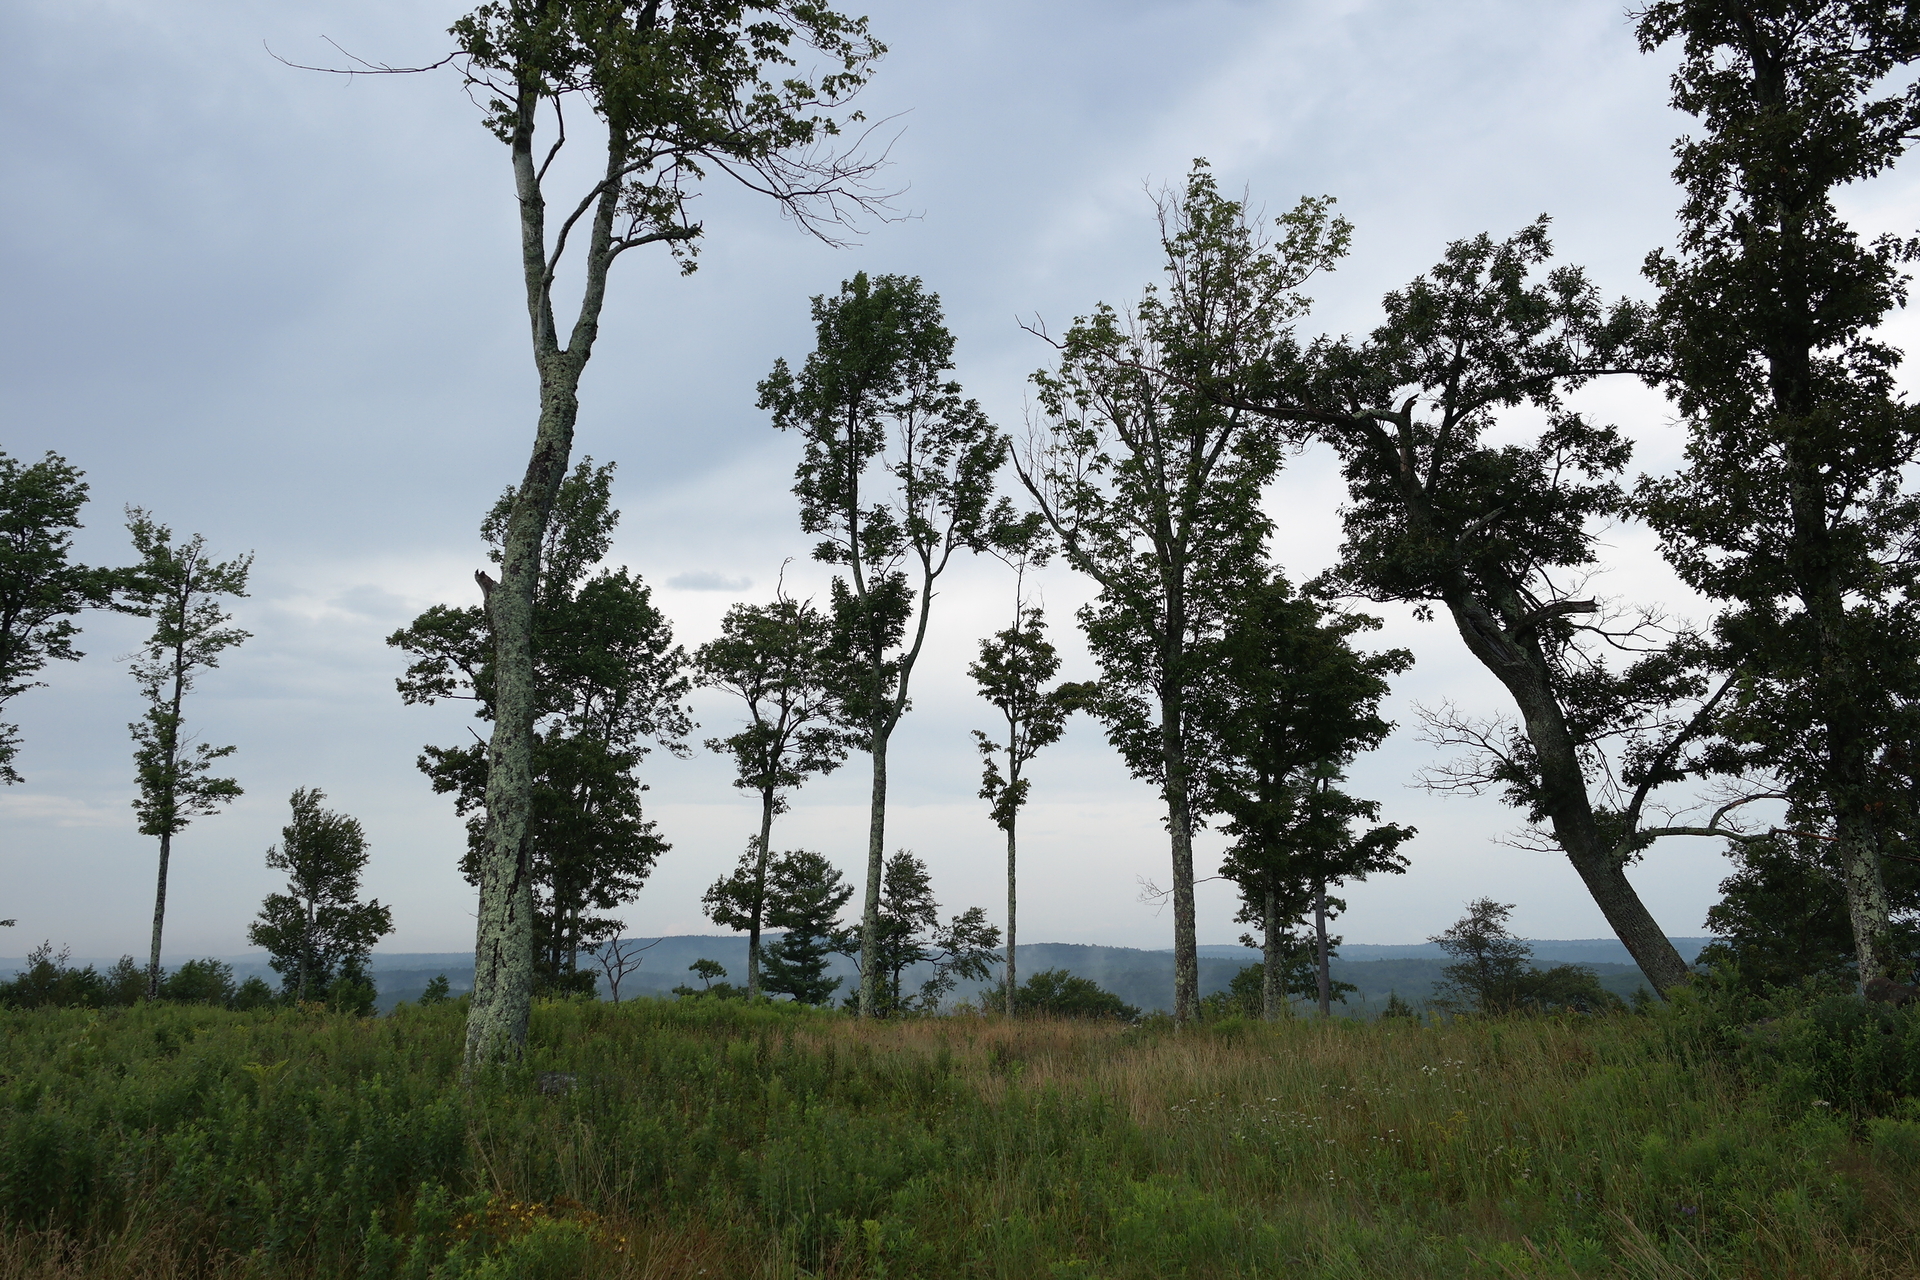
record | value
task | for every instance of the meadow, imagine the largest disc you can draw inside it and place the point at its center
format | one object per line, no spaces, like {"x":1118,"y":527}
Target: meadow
{"x":707,"y":1138}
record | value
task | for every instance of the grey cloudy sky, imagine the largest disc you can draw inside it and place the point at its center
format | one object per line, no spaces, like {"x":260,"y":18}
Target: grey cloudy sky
{"x":281,"y":309}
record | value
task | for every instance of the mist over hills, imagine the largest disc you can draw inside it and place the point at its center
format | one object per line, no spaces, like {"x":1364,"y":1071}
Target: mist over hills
{"x":1139,"y":977}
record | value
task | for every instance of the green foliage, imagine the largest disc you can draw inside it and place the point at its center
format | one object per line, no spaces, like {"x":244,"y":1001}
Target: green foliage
{"x":208,"y":982}
{"x":910,"y":933}
{"x":1012,"y":672}
{"x":1795,"y":511}
{"x":1494,"y":973}
{"x":1245,"y":995}
{"x":705,"y":83}
{"x":40,"y":591}
{"x":708,"y":971}
{"x":48,"y":981}
{"x":180,"y":589}
{"x":608,"y":678}
{"x":805,"y":895}
{"x":437,"y":991}
{"x":752,"y":1138}
{"x":319,"y":926}
{"x":1056,"y":993}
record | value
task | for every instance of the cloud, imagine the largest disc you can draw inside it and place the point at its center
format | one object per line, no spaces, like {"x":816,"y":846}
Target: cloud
{"x":707,"y":580}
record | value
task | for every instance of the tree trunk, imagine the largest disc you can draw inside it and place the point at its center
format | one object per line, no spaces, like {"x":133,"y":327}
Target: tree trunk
{"x":1321,"y":970}
{"x":1013,"y":981}
{"x":503,"y":949}
{"x":1186,"y":952}
{"x":872,"y":987}
{"x":1273,"y":993}
{"x":759,"y":894}
{"x":1563,"y":792}
{"x":159,"y":917}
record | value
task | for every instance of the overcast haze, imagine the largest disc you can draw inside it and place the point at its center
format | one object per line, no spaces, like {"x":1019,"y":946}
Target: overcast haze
{"x":282,"y":309}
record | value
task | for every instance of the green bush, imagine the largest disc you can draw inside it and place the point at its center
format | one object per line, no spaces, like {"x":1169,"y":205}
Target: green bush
{"x":1056,"y":993}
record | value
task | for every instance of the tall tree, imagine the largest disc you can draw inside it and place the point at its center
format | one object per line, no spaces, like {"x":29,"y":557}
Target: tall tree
{"x":40,"y":590}
{"x":896,"y":476}
{"x":1153,"y":486}
{"x":181,"y":589}
{"x":1792,"y":509}
{"x":1013,"y":671}
{"x":610,"y":681}
{"x":805,"y":895}
{"x":1292,"y":702}
{"x":318,"y":929}
{"x":675,"y":90}
{"x":774,"y":658}
{"x":1501,"y":535}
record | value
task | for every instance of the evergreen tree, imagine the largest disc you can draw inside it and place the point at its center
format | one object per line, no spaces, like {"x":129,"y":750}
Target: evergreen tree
{"x":774,"y":658}
{"x":318,"y":929}
{"x":180,"y":589}
{"x":910,"y":933}
{"x":896,"y":476}
{"x":1793,"y":509}
{"x":40,"y":591}
{"x":805,"y":895}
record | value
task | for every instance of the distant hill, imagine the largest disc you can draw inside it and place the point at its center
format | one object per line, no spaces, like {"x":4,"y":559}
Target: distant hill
{"x":1139,"y":977}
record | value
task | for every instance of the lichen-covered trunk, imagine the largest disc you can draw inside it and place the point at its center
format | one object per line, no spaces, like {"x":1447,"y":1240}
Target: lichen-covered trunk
{"x":503,"y":945}
{"x":1013,"y":982}
{"x":1273,"y":987}
{"x":1847,"y":768}
{"x":767,"y":802}
{"x":1563,"y":793}
{"x":1186,"y":951}
{"x":872,"y":988}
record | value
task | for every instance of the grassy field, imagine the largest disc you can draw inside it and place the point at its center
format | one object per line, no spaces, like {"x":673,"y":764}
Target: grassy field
{"x":707,"y":1139}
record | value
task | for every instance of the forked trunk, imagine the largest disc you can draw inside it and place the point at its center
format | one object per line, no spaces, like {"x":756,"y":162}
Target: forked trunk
{"x":503,"y":946}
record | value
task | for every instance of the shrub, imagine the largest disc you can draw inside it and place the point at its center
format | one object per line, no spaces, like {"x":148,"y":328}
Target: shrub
{"x":1057,"y":993}
{"x":206,"y":981}
{"x":49,"y":982}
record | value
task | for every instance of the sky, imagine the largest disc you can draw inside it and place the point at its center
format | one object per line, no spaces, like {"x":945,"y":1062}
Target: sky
{"x":282,"y":309}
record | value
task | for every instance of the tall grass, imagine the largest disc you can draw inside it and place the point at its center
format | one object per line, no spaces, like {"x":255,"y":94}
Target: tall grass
{"x":706,"y":1138}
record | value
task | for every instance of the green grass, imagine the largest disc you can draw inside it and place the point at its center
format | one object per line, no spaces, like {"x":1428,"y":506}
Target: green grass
{"x":706,"y":1138}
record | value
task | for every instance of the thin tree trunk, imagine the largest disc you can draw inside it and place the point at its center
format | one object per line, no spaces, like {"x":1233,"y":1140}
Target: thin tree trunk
{"x":1321,"y":970}
{"x":1272,"y":985}
{"x":759,"y":894}
{"x":1013,"y":981}
{"x":159,"y":917}
{"x":872,"y":987}
{"x":1186,"y":952}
